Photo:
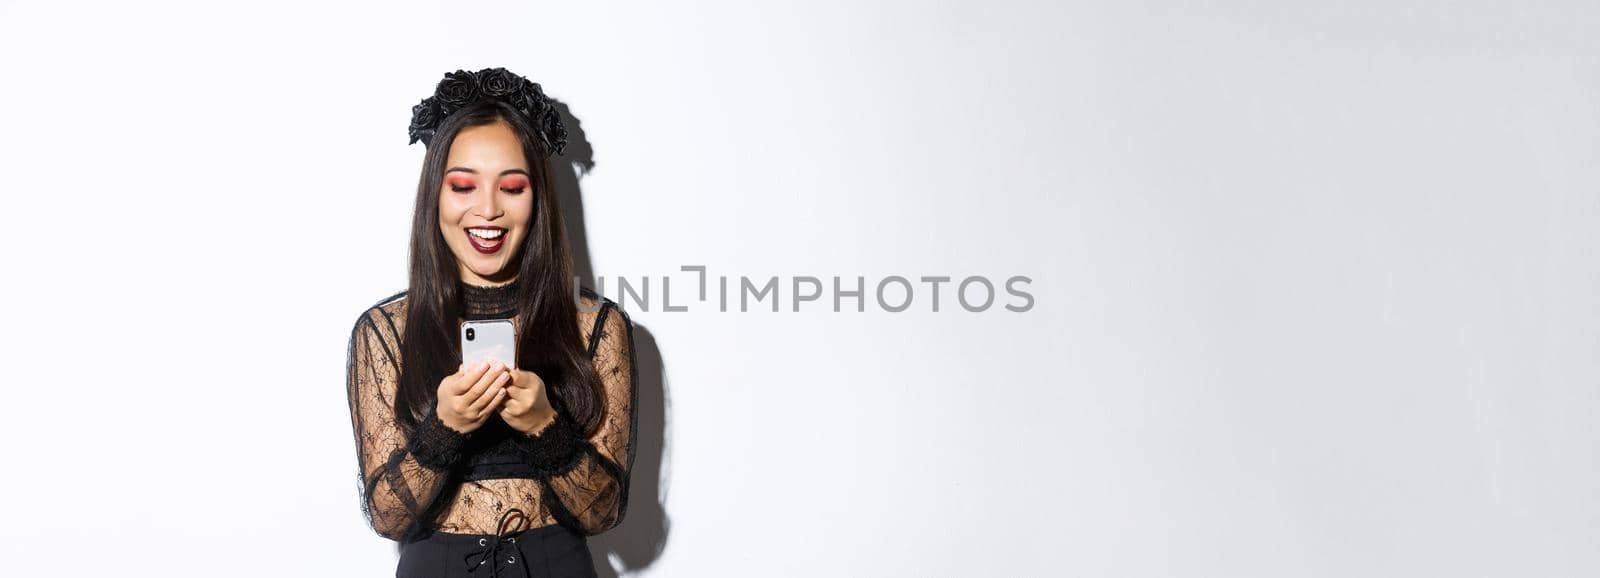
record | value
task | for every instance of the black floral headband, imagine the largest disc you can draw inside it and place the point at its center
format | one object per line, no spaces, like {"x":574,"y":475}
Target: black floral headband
{"x":461,"y":88}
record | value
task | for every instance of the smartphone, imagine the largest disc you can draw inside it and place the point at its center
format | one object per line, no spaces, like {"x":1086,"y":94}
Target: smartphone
{"x":484,"y":339}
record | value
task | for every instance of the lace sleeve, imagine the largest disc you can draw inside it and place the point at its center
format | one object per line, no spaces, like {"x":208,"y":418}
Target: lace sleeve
{"x":401,"y":475}
{"x":589,"y":492}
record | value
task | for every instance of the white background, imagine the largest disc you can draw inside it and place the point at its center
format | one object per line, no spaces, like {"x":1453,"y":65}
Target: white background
{"x":1316,"y":282}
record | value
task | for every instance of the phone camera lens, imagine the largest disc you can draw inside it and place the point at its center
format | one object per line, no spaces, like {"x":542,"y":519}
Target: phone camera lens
{"x":470,"y":334}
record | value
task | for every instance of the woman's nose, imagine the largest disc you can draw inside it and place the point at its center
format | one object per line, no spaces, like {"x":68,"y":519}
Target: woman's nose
{"x":488,"y":204}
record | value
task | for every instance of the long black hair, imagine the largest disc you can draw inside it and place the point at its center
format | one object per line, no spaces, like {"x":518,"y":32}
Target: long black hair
{"x":549,"y":343}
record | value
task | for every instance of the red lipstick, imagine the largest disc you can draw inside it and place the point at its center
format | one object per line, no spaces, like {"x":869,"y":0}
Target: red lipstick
{"x":486,"y":246}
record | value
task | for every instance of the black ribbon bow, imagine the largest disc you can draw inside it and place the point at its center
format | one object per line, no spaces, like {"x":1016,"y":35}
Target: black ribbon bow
{"x":505,"y":542}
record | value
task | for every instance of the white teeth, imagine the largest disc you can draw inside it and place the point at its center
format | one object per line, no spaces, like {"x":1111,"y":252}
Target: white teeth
{"x":486,"y":233}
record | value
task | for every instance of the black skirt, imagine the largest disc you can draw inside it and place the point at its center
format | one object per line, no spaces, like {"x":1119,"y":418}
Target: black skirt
{"x":552,"y":551}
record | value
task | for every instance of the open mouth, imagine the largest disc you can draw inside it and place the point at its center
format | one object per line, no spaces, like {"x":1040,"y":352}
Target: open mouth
{"x":486,"y":240}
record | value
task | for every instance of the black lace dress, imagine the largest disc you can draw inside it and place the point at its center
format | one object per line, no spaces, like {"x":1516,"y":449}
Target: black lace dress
{"x":495,"y":500}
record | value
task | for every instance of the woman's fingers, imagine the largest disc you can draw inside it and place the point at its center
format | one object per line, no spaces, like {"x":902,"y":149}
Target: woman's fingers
{"x":484,"y":380}
{"x":497,"y":387}
{"x":499,"y":394}
{"x":473,"y":375}
{"x":522,"y":379}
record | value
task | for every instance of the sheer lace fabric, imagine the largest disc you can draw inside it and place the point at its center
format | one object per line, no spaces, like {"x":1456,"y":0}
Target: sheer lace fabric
{"x":437,"y":479}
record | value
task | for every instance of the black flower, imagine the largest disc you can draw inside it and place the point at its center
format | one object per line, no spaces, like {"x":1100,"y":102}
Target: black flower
{"x":498,"y":82}
{"x":458,"y":88}
{"x":424,"y":118}
{"x":554,"y":131}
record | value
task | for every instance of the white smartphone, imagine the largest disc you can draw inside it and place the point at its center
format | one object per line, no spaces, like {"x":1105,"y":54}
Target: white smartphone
{"x":489,"y":339}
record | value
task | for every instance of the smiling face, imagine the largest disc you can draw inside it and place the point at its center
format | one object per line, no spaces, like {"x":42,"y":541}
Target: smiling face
{"x":486,"y":203}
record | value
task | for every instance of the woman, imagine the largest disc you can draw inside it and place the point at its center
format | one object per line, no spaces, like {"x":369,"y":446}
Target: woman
{"x":491,"y":470}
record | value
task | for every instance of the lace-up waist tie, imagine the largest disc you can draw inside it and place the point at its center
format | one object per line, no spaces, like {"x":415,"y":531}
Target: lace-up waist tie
{"x":502,"y":549}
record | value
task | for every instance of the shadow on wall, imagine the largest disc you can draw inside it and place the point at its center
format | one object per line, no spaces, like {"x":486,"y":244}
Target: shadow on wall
{"x":642,"y":535}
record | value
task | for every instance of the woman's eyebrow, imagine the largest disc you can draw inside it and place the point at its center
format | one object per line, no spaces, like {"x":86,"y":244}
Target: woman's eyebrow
{"x":502,"y":173}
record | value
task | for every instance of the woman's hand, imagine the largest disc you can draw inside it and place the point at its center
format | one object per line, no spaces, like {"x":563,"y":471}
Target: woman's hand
{"x":470,"y":395}
{"x":527,"y":408}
